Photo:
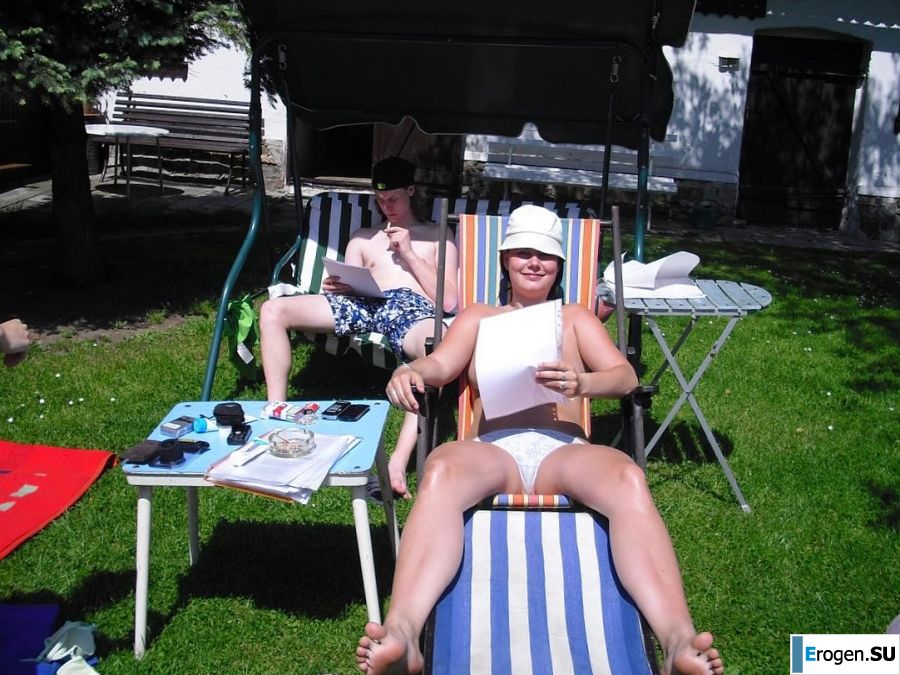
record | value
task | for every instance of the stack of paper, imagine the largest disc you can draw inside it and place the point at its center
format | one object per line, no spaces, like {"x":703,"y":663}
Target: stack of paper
{"x":663,"y":278}
{"x":252,"y":467}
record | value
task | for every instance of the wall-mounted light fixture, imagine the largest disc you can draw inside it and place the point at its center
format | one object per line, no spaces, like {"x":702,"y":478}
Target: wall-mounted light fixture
{"x":729,"y":64}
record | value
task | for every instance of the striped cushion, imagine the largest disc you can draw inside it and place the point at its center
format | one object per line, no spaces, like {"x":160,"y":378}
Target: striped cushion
{"x":536,"y":593}
{"x":332,"y":217}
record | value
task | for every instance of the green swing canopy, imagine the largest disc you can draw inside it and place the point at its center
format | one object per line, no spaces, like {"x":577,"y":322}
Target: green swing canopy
{"x":478,"y":67}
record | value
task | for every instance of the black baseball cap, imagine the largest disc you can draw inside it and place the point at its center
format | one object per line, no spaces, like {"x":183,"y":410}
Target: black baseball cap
{"x":393,"y":173}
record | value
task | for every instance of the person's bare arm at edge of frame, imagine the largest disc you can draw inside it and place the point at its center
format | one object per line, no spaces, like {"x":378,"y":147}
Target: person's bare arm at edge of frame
{"x":607,"y":372}
{"x":451,"y":357}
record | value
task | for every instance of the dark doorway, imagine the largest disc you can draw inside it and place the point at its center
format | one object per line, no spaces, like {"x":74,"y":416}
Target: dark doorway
{"x":797,"y":127}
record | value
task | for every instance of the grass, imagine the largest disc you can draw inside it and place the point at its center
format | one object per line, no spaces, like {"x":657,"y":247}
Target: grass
{"x":803,"y":400}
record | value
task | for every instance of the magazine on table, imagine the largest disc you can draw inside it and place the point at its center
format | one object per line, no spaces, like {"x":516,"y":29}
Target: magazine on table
{"x":668,"y":277}
{"x":253,"y":468}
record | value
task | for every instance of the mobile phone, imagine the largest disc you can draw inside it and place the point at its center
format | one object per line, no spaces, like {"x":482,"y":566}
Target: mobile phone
{"x":335,"y":409}
{"x":142,"y":453}
{"x":353,"y":412}
{"x":177,"y":427}
{"x":239,"y":434}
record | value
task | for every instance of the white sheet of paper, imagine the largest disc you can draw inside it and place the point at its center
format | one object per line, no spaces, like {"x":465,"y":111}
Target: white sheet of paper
{"x":296,"y":478}
{"x":507,"y":352}
{"x":685,"y":290}
{"x":360,"y":279}
{"x":672,"y":269}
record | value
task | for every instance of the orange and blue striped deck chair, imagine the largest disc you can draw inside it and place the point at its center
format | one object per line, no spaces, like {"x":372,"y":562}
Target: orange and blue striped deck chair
{"x":479,"y":238}
{"x":536,"y":591}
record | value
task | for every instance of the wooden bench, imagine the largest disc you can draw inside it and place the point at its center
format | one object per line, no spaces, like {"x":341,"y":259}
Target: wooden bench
{"x":211,"y":125}
{"x":535,"y":161}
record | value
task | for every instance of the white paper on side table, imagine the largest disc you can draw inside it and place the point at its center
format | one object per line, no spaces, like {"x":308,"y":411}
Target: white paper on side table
{"x":254,"y":468}
{"x":360,"y":279}
{"x":664,"y":278}
{"x":507,"y":352}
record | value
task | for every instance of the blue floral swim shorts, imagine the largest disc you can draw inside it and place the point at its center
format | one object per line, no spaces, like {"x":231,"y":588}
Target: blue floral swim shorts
{"x":392,"y":316}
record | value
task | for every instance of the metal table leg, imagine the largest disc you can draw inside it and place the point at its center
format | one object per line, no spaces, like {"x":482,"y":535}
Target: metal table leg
{"x":192,"y":497}
{"x":142,"y":565}
{"x":687,"y":396}
{"x":366,"y":556}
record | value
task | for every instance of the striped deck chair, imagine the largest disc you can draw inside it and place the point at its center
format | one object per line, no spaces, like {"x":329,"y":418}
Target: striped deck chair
{"x":536,"y":591}
{"x":479,"y":240}
{"x":329,"y":220}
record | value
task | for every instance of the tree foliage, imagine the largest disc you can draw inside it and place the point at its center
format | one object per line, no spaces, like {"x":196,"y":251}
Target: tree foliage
{"x":67,"y":52}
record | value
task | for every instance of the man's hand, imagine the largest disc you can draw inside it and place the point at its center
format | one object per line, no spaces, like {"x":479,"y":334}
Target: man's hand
{"x":335,"y":286}
{"x":14,"y":341}
{"x":399,"y":240}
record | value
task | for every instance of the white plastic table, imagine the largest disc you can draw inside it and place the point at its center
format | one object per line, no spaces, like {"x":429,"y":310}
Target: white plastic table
{"x":728,"y":300}
{"x":351,"y":471}
{"x":112,"y":133}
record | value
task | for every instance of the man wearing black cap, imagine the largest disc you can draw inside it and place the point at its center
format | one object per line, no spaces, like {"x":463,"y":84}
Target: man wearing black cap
{"x":402,"y":258}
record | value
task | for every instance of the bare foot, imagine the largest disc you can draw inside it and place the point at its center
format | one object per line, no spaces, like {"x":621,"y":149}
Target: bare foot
{"x":380,"y":652}
{"x":397,"y":473}
{"x":694,"y":657}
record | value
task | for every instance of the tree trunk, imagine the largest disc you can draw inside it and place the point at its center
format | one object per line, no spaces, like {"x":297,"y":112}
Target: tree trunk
{"x":73,"y":209}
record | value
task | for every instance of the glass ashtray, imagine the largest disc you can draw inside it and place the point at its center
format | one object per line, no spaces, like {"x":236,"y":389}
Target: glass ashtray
{"x":291,"y":443}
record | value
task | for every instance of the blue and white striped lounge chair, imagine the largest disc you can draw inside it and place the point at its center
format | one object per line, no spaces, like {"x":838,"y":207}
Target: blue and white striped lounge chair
{"x":536,"y":591}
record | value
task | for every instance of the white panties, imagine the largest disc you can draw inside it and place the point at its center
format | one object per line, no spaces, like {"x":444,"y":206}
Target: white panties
{"x":529,"y":447}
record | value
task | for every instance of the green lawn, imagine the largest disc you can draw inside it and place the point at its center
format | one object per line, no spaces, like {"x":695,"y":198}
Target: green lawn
{"x":803,"y":398}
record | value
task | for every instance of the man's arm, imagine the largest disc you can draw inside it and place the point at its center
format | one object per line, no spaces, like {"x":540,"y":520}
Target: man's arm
{"x":425,"y":271}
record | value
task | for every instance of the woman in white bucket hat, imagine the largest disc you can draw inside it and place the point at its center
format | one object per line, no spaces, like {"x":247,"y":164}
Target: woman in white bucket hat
{"x":540,"y":450}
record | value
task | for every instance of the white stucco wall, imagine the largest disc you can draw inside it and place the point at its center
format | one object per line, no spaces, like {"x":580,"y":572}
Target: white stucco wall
{"x":219,"y":74}
{"x":706,"y":127}
{"x":709,"y":105}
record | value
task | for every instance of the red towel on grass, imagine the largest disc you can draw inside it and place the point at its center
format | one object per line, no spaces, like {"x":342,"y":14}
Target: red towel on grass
{"x":38,"y":483}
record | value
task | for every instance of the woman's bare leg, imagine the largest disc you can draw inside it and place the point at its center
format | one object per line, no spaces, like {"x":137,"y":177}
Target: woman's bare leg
{"x":276,"y":318}
{"x":457,"y":476}
{"x":609,"y":482}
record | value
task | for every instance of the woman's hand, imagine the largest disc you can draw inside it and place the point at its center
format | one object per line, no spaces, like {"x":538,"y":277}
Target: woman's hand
{"x":335,"y":286}
{"x":559,"y":376}
{"x":402,"y":387}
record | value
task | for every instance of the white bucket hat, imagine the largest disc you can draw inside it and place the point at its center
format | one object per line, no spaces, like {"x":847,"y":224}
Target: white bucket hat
{"x":534,"y":227}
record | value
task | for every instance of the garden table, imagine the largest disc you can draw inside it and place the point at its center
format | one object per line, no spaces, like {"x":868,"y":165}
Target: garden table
{"x":350,"y":471}
{"x":112,"y":133}
{"x":727,"y":300}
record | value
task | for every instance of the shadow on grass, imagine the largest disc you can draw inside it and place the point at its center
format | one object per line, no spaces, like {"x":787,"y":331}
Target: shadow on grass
{"x":821,"y":291}
{"x":309,"y":569}
{"x":153,"y":261}
{"x":887,"y":504}
{"x":97,"y":592}
{"x":305,"y":569}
